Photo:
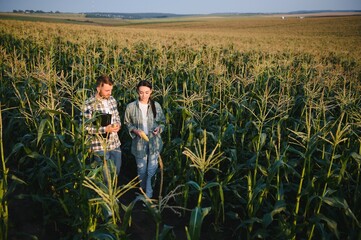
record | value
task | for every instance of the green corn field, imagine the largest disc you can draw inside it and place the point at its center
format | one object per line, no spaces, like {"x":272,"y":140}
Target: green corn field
{"x":262,"y":138}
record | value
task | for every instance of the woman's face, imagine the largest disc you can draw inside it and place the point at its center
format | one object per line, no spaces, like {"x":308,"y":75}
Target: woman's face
{"x":144,"y":94}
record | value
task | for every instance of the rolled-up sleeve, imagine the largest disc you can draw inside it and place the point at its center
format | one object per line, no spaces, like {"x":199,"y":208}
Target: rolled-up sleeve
{"x":128,"y":119}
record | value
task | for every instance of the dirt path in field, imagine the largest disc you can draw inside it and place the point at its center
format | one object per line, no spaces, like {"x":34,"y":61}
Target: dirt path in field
{"x":26,"y":216}
{"x":143,"y":226}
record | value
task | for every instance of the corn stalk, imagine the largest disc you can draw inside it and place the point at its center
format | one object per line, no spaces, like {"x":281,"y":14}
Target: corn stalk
{"x":203,"y":163}
{"x":4,"y":214}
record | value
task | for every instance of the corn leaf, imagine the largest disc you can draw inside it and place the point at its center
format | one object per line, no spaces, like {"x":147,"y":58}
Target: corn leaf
{"x":195,"y":223}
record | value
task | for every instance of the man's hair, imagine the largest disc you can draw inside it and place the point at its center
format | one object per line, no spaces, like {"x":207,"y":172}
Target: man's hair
{"x":104,"y":79}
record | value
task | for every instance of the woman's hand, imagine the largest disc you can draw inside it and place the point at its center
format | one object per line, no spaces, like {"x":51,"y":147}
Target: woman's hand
{"x":141,"y":134}
{"x":156,"y":131}
{"x":136,"y":132}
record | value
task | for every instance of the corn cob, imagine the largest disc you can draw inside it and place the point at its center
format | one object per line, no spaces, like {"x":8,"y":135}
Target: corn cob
{"x":144,"y":136}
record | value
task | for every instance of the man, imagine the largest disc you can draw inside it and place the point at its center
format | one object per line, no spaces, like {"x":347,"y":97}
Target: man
{"x":103,"y":123}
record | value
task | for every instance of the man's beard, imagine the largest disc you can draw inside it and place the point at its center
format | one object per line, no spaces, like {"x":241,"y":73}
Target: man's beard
{"x":102,"y":96}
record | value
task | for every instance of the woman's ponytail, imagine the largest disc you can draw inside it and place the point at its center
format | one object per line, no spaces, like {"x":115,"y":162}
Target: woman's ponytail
{"x":154,"y":110}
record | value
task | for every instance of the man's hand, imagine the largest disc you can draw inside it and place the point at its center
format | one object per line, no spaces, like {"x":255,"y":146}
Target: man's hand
{"x":115,"y":127}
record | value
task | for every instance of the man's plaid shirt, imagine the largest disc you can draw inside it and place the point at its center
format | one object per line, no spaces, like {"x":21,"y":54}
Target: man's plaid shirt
{"x":93,"y":106}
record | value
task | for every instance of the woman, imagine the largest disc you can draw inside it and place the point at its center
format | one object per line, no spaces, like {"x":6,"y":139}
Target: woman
{"x":145,"y":116}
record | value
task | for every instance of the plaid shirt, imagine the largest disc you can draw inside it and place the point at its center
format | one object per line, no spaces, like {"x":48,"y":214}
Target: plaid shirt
{"x":92,"y":106}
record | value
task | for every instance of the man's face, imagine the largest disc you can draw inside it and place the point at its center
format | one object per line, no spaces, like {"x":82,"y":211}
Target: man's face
{"x":105,"y":90}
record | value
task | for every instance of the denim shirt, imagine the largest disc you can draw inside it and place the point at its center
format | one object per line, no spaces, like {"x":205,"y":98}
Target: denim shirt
{"x":133,"y":119}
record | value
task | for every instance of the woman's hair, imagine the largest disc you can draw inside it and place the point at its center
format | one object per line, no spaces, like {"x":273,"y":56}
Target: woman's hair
{"x":145,"y":83}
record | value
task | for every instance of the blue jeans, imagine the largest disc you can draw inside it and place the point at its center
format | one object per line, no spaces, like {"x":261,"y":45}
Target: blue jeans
{"x":147,"y":167}
{"x":113,"y":157}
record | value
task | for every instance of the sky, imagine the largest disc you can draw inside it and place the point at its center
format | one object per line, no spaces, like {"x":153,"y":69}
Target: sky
{"x":178,"y":7}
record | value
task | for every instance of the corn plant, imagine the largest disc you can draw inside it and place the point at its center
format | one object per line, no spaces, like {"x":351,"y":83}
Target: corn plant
{"x":4,"y":212}
{"x":108,"y":195}
{"x":202,"y":163}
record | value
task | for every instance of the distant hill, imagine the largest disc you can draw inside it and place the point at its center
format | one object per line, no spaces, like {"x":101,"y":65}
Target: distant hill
{"x":106,"y":16}
{"x":131,"y":15}
{"x":167,"y":15}
{"x":321,"y":11}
